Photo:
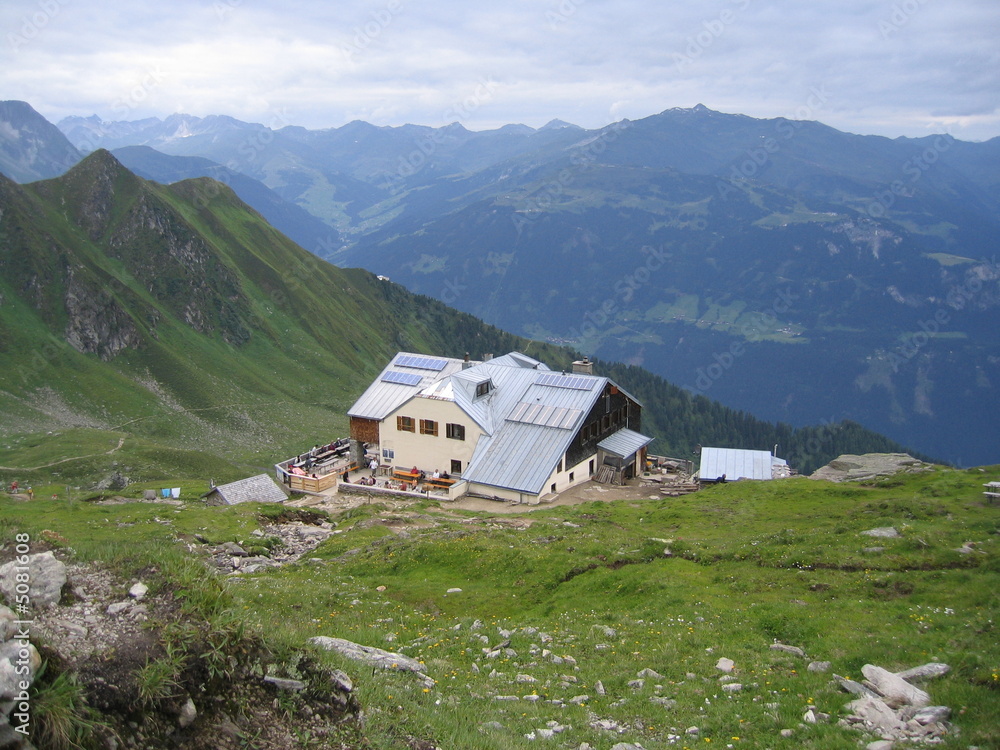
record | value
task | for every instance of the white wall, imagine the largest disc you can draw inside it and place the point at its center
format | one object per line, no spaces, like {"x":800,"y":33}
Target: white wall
{"x":428,"y":452}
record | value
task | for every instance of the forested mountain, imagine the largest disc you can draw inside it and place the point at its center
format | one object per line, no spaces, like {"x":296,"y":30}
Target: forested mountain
{"x":780,"y":266}
{"x":175,"y":320}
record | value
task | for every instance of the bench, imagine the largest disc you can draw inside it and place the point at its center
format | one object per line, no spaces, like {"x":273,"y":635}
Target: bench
{"x":441,"y":484}
{"x":405,"y":475}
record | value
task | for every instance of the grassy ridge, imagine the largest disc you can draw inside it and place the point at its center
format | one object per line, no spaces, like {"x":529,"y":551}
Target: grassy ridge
{"x":749,"y":563}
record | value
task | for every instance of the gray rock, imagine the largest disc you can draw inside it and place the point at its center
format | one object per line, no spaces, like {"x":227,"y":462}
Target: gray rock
{"x":809,"y":717}
{"x":896,"y":691}
{"x":665,"y":702}
{"x":7,"y":626}
{"x":579,"y":699}
{"x":650,"y":673}
{"x":626,"y":746}
{"x":232,"y":548}
{"x":490,"y":726}
{"x":599,"y":688}
{"x":932,"y":715}
{"x":118,"y":607}
{"x":787,"y":732}
{"x":454,"y":591}
{"x":876,"y":712}
{"x":371,"y":655}
{"x":341,"y":681}
{"x":882,"y":532}
{"x":819,"y":666}
{"x":724,"y":664}
{"x":138,"y":590}
{"x":692,"y":730}
{"x":925,"y":672}
{"x":46,"y":578}
{"x":10,"y":668}
{"x":525,"y":678}
{"x":732,"y":687}
{"x":854,"y":687}
{"x":283,"y":684}
{"x":189,"y":712}
{"x":636,"y":684}
{"x":879,"y":745}
{"x":794,"y":650}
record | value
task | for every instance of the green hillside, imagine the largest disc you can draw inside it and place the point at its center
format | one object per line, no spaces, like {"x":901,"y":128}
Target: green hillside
{"x":157,"y":332}
{"x":604,"y":619}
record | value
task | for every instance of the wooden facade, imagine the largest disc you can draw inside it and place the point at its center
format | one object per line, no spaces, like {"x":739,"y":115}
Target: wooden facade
{"x":364,"y":430}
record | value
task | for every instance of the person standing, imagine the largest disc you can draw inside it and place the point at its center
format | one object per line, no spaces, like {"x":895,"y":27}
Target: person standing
{"x":373,"y":465}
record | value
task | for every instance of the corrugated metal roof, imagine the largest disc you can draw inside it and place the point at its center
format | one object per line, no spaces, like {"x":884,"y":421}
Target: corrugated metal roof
{"x":735,"y":463}
{"x":520,"y":457}
{"x":624,"y":443}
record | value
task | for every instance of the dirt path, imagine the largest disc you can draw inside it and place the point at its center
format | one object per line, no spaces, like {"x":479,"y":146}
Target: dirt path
{"x":121,"y":442}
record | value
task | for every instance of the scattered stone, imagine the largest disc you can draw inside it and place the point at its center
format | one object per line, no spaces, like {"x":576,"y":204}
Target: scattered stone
{"x":794,"y":650}
{"x":46,"y":576}
{"x":118,"y":607}
{"x":627,"y":746}
{"x":454,"y":591}
{"x":925,"y":672}
{"x":876,"y":713}
{"x":692,"y":730}
{"x":879,"y":745}
{"x":932,"y":715}
{"x":579,"y":700}
{"x":371,"y":655}
{"x":809,"y":717}
{"x":232,"y":548}
{"x":189,"y":712}
{"x":490,"y":726}
{"x":724,"y":664}
{"x":883,"y":532}
{"x":283,"y":684}
{"x":665,"y":702}
{"x":599,"y":688}
{"x":787,"y":732}
{"x":650,"y":673}
{"x":506,"y":698}
{"x":854,"y":687}
{"x":636,"y":684}
{"x":606,"y":725}
{"x":732,"y":687}
{"x":525,"y":678}
{"x":341,"y":681}
{"x":818,"y":666}
{"x":138,"y":590}
{"x":895,"y":691}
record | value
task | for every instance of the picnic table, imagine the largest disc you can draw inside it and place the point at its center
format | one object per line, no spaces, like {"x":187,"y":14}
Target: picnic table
{"x":405,"y":475}
{"x":993,"y":492}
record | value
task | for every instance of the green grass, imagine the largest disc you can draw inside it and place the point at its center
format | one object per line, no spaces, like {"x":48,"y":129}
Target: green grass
{"x":749,"y":563}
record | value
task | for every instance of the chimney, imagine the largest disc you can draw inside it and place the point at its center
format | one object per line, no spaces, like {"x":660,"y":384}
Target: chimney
{"x":466,"y":364}
{"x":583,"y":367}
{"x":487,"y":357}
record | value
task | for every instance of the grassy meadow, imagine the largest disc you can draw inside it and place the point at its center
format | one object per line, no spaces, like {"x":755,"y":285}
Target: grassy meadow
{"x":589,"y":596}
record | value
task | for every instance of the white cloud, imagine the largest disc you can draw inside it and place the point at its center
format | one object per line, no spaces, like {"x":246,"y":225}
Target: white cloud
{"x":890,"y":67}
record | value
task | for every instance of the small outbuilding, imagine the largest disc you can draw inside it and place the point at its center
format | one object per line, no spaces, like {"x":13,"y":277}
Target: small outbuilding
{"x":730,"y":464}
{"x":258,"y":489}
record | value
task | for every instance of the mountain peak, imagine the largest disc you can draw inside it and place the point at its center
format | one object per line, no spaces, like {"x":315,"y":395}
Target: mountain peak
{"x":559,"y":124}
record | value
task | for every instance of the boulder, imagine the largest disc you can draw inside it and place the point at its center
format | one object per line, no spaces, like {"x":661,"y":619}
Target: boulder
{"x":876,"y":713}
{"x":819,"y":666}
{"x":370,"y":655}
{"x":882,"y":532}
{"x":925,"y":672}
{"x":895,"y":691}
{"x":724,"y":664}
{"x":793,"y":650}
{"x":46,"y":575}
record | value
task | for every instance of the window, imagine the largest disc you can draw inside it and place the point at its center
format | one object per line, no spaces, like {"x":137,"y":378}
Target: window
{"x":428,"y":427}
{"x":404,"y":424}
{"x":571,"y":476}
{"x":559,"y":467}
{"x":553,"y":486}
{"x":456,"y":466}
{"x":388,"y":453}
{"x":483,"y":388}
{"x":590,"y":467}
{"x":455,"y":431}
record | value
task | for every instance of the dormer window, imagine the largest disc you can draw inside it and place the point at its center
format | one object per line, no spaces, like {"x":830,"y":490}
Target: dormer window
{"x":484,"y":388}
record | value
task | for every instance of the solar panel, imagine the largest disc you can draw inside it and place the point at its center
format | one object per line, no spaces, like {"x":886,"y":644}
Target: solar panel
{"x":402,"y":378}
{"x":574,"y":382}
{"x":421,"y":363}
{"x":545,"y":416}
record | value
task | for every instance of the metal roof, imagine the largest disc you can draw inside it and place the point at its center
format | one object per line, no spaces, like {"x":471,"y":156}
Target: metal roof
{"x":624,"y":443}
{"x":257,"y":489}
{"x":520,"y":457}
{"x":382,"y":397}
{"x":736,"y":463}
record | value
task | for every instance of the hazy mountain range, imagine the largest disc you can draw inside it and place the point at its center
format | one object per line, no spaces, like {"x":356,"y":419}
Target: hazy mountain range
{"x":783,"y":267}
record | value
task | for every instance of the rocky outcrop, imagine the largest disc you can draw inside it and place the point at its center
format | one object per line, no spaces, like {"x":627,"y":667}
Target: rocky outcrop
{"x":852,"y":468}
{"x":43,"y":575}
{"x":377,"y":657}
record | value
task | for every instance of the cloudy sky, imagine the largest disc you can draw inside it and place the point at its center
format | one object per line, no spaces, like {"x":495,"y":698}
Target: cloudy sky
{"x":889,"y":67}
